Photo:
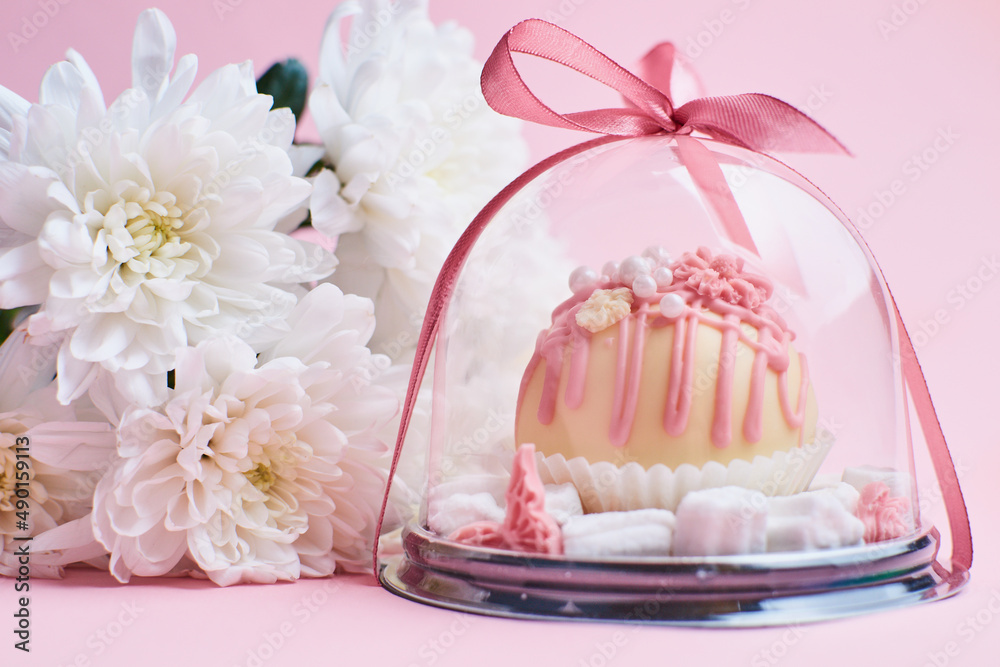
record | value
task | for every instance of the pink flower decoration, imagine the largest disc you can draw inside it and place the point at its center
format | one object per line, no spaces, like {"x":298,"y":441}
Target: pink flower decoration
{"x":481,"y":534}
{"x":527,"y":526}
{"x":885,"y":517}
{"x":721,"y":277}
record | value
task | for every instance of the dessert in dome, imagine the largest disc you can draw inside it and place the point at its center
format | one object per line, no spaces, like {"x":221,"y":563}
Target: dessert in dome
{"x":661,"y":377}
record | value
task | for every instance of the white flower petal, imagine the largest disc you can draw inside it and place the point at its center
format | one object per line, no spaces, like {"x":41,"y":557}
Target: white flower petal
{"x":153,"y":50}
{"x":331,"y":215}
{"x":180,"y":83}
{"x":74,"y":375}
{"x":24,"y":277}
{"x":39,"y":192}
{"x":74,"y":445}
{"x":12,"y":106}
{"x":62,"y":85}
{"x":90,"y":81}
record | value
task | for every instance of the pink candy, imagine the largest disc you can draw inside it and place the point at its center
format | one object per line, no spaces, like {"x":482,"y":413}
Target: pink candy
{"x":527,"y":526}
{"x":885,"y":517}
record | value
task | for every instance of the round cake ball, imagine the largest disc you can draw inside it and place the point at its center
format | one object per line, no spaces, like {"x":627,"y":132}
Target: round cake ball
{"x":705,"y":373}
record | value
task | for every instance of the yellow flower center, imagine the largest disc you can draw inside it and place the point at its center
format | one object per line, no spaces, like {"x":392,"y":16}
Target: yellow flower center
{"x":261,"y":477}
{"x":151,"y":231}
{"x":8,"y":472}
{"x":144,"y":233}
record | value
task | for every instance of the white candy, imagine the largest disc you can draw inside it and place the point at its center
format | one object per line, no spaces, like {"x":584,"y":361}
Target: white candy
{"x":847,"y":495}
{"x":723,"y":521}
{"x":658,"y":254}
{"x":632,"y":267}
{"x":644,"y":286}
{"x":562,"y":501}
{"x":813,"y":520}
{"x":581,"y":278}
{"x":610,"y":269}
{"x":663,"y":277}
{"x":671,"y":306}
{"x":862,"y":476}
{"x":460,"y":509}
{"x":647,"y":532}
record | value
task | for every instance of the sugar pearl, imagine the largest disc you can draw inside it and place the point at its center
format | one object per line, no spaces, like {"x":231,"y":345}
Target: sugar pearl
{"x":632,"y":267}
{"x":658,"y":254}
{"x":581,"y":278}
{"x":671,"y":306}
{"x":644,"y":286}
{"x":610,"y":269}
{"x":663,"y":277}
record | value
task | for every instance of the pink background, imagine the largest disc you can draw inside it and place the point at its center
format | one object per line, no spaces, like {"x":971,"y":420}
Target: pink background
{"x":887,"y":90}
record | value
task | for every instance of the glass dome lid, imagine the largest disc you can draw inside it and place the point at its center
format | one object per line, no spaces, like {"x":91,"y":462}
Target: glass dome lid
{"x":639,"y":409}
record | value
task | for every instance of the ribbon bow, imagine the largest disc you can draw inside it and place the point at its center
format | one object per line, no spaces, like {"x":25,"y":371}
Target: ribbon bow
{"x":753,"y":121}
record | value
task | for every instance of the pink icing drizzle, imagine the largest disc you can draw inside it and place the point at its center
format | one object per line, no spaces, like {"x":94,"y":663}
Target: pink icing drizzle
{"x":885,"y":517}
{"x":527,"y":526}
{"x":705,"y":283}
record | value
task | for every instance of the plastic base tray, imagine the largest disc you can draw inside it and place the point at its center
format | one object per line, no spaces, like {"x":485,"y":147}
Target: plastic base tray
{"x":729,"y":591}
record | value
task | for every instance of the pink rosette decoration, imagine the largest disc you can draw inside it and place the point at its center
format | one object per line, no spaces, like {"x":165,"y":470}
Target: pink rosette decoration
{"x":721,"y":277}
{"x":527,"y":527}
{"x":885,"y":517}
{"x":481,"y":534}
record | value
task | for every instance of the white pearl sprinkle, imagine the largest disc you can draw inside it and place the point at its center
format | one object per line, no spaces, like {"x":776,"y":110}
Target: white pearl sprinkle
{"x":644,"y":286}
{"x":663,"y":277}
{"x":658,"y":254}
{"x":632,"y":267}
{"x":671,"y":306}
{"x":610,"y":269}
{"x":582,"y":278}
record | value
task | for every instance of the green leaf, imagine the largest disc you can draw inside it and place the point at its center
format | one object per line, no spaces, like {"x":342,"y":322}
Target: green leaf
{"x":287,"y":82}
{"x":7,"y":318}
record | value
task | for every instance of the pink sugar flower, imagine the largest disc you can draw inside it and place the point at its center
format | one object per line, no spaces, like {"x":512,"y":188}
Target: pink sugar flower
{"x":885,"y":517}
{"x":721,"y":277}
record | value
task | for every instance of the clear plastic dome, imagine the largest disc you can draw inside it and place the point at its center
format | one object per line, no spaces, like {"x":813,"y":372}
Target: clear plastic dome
{"x":623,"y":400}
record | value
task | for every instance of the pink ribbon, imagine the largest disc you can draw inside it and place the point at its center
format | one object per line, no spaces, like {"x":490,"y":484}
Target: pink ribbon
{"x":753,"y":121}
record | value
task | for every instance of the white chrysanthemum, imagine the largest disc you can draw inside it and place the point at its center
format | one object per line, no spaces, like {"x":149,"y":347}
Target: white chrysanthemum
{"x":148,"y":225}
{"x":414,"y":152}
{"x":515,"y":275}
{"x":257,"y":471}
{"x":51,"y":458}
